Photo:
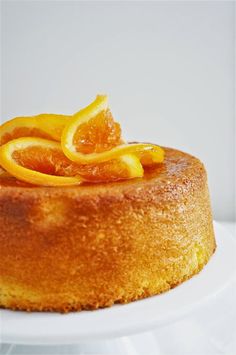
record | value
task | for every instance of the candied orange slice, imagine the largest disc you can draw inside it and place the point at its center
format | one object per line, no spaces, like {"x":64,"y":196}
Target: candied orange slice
{"x":150,"y":158}
{"x":125,"y":167}
{"x":42,"y":162}
{"x":99,"y":134}
{"x":37,"y":161}
{"x":50,"y":149}
{"x":88,"y":139}
{"x":52,"y":124}
{"x":49,"y":126}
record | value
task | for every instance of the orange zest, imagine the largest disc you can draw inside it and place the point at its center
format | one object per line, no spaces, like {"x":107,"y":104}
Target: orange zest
{"x":59,"y":150}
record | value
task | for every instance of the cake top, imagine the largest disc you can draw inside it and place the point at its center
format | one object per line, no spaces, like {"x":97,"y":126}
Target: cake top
{"x":179,"y":175}
{"x":62,"y":150}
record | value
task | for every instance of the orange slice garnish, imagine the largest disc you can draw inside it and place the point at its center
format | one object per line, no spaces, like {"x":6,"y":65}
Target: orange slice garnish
{"x":53,"y":124}
{"x":49,"y":126}
{"x":81,"y":125}
{"x":50,"y":149}
{"x":42,"y":162}
{"x":37,"y":161}
{"x":127,"y":166}
{"x":149,"y":158}
{"x":98,"y":132}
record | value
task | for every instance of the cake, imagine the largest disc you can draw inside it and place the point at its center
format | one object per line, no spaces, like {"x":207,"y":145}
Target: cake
{"x":85,"y":247}
{"x":88,"y":220}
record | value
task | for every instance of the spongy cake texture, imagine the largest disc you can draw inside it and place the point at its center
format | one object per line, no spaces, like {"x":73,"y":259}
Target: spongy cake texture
{"x":91,"y":246}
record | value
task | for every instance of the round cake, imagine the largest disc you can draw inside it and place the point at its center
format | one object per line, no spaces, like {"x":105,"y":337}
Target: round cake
{"x":90,"y":246}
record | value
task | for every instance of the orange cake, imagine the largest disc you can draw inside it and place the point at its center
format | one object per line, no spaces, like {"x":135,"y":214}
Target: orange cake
{"x":91,"y":244}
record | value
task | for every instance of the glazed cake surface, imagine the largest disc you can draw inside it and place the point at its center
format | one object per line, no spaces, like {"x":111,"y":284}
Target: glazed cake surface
{"x":91,"y":246}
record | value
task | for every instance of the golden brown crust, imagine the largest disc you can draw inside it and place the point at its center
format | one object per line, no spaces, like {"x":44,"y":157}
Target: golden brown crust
{"x":91,"y":246}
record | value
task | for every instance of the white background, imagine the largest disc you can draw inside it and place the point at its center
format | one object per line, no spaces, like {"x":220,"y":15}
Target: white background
{"x":168,"y":68}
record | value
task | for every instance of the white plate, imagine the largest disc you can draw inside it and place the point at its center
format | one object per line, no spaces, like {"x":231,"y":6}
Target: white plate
{"x":52,"y":328}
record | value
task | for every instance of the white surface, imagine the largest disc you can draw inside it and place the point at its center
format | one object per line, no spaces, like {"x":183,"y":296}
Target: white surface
{"x":167,"y":66}
{"x":120,"y":320}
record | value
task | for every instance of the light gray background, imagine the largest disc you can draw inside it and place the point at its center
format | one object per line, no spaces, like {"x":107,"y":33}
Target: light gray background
{"x":168,"y":68}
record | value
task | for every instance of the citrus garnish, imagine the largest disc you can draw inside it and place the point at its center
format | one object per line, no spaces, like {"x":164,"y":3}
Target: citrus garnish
{"x":125,"y":167}
{"x":52,"y":124}
{"x":37,"y":161}
{"x":58,"y":150}
{"x":78,"y":150}
{"x":99,"y":134}
{"x":49,"y":126}
{"x":149,"y":158}
{"x":42,"y":162}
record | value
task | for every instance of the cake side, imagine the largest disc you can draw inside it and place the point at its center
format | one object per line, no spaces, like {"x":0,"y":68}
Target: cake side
{"x":89,"y":247}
